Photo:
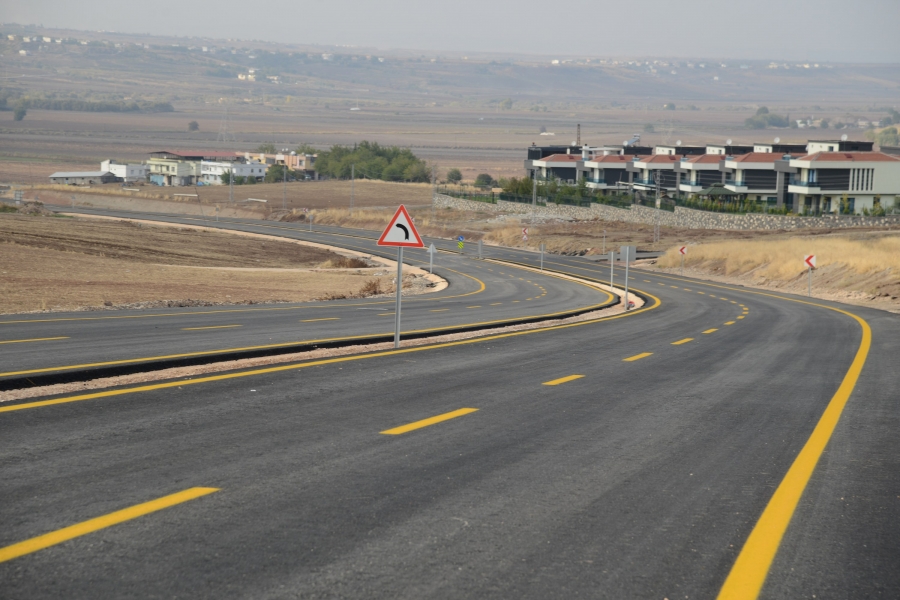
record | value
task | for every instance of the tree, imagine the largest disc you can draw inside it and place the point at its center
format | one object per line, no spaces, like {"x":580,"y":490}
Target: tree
{"x":225,"y":177}
{"x":825,"y":124}
{"x":454,"y":175}
{"x":193,"y":126}
{"x":305,"y":149}
{"x":484,"y":180}
{"x":20,"y":113}
{"x":888,"y":137}
{"x":648,"y":128}
{"x":669,"y":106}
{"x":762,"y":110}
{"x":506,"y":104}
{"x":267,"y":148}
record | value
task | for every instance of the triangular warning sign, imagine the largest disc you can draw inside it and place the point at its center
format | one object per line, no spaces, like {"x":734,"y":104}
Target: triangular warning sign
{"x":401,"y":231}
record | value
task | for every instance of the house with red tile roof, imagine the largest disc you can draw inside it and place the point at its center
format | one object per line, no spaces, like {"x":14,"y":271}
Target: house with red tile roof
{"x":823,"y":181}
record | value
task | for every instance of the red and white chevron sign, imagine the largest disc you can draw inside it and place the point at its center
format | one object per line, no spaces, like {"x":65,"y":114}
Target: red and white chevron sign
{"x":682,"y":250}
{"x":810,"y":261}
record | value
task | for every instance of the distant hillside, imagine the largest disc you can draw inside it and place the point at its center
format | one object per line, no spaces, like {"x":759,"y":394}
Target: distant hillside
{"x":184,"y":70}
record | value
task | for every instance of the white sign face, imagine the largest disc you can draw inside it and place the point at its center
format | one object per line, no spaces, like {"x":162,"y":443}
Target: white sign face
{"x":431,"y":249}
{"x":401,"y":231}
{"x":683,"y":250}
{"x":810,"y":261}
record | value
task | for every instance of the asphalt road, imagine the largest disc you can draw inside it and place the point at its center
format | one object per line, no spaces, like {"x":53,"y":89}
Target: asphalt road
{"x":643,"y":477}
{"x":479,"y":294}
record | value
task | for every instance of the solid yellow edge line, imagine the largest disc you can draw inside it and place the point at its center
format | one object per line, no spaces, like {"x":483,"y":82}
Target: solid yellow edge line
{"x":33,"y":340}
{"x":429,"y":421}
{"x":563,"y":380}
{"x":210,"y":327}
{"x":315,"y":363}
{"x":637,"y":356}
{"x":747,"y":576}
{"x":79,"y":529}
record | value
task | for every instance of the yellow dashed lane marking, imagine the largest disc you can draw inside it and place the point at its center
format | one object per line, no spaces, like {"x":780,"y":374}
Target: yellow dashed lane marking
{"x":85,"y":527}
{"x":684,"y":341}
{"x":322,"y":319}
{"x":563,"y":380}
{"x":209,"y":327}
{"x":710,"y":330}
{"x":429,"y":421}
{"x":32,"y":340}
{"x":637,"y":356}
{"x":729,"y":322}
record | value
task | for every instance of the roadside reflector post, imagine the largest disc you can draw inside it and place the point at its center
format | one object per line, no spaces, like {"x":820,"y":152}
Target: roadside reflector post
{"x":401,"y":233}
{"x":479,"y":249}
{"x":310,"y":222}
{"x":810,"y":261}
{"x":542,"y":258}
{"x":627,"y":260}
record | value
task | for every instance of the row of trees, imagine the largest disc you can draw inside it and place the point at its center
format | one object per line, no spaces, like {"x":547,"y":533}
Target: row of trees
{"x":274,"y":174}
{"x":94,"y":106}
{"x":373,"y":161}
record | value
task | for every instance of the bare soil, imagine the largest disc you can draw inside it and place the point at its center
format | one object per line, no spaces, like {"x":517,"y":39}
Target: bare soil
{"x":52,"y":263}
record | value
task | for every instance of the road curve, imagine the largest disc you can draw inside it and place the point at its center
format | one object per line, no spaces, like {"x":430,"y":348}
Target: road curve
{"x":626,"y":458}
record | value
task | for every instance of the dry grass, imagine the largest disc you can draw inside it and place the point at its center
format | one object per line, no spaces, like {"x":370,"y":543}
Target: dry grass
{"x":858,"y":268}
{"x":782,"y":259}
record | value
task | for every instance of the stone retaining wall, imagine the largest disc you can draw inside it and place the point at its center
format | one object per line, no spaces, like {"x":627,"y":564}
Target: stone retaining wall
{"x":682,"y":217}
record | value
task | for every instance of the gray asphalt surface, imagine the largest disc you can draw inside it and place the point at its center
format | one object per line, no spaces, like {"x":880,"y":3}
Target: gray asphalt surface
{"x":641,"y":479}
{"x":478,"y":293}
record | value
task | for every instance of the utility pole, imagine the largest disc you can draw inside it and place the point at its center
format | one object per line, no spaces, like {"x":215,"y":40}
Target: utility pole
{"x":231,"y":184}
{"x":352,"y":181}
{"x":533,"y":197}
{"x":604,"y":242}
{"x":284,"y":184}
{"x":433,"y":191}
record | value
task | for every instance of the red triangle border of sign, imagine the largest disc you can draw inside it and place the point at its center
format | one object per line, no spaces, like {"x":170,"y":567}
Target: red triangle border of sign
{"x":411,"y":244}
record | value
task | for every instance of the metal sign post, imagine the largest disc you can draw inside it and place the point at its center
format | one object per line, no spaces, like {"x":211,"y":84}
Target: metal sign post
{"x":399,"y":289}
{"x":542,"y":257}
{"x":479,"y":249}
{"x":431,"y":251}
{"x":612,"y":260}
{"x":310,"y":222}
{"x":627,"y":258}
{"x":682,"y":251}
{"x":400,"y":232}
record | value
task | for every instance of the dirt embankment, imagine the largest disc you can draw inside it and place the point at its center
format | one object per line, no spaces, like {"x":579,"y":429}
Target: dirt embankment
{"x":58,"y":263}
{"x":860,"y":268}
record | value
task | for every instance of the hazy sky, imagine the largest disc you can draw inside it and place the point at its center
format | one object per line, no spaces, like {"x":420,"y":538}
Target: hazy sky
{"x":821,"y":30}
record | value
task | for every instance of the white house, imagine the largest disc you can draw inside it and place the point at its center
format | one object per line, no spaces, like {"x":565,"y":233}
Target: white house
{"x":211,"y":171}
{"x":863,"y":179}
{"x":127,"y":173}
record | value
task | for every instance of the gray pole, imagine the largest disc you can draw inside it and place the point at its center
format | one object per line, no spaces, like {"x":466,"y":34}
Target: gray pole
{"x":612,"y":260}
{"x":399,"y":287}
{"x":682,"y":265}
{"x":284,"y":186}
{"x":431,"y":259}
{"x":542,"y":257}
{"x":604,"y":242}
{"x":231,"y":184}
{"x":809,"y":281}
{"x":479,"y":249}
{"x":627,"y":259}
{"x":352,"y":181}
{"x":533,"y":197}
{"x":310,"y":222}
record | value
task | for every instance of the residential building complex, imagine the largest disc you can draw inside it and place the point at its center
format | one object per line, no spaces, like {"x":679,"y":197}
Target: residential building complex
{"x":821,"y":176}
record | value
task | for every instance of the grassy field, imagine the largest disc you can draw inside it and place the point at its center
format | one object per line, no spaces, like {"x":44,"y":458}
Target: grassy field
{"x":64,"y":263}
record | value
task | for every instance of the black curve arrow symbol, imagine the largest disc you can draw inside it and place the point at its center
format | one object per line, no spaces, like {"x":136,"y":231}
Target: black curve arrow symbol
{"x":405,"y":230}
